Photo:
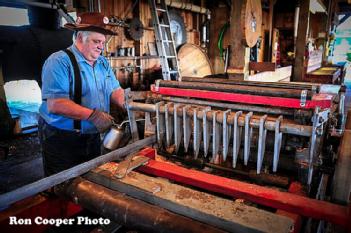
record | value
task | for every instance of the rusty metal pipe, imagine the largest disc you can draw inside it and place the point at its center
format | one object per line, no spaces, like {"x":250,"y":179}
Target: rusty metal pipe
{"x":285,"y":127}
{"x":131,"y":212}
{"x":239,"y":89}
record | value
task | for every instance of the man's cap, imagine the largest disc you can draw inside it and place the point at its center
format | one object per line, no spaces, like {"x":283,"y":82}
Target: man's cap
{"x":91,"y":21}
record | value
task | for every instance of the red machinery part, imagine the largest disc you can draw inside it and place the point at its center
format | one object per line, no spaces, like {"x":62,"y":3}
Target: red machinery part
{"x":318,"y":100}
{"x":289,"y":202}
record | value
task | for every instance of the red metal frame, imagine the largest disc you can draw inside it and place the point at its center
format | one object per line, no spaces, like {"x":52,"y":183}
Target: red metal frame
{"x":320,"y":100}
{"x":289,"y":202}
{"x":295,"y":188}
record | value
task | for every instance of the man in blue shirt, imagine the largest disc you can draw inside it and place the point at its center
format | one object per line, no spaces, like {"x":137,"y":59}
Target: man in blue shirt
{"x":75,"y":110}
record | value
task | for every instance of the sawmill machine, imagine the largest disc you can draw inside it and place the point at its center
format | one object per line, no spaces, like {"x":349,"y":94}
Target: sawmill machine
{"x":246,"y":127}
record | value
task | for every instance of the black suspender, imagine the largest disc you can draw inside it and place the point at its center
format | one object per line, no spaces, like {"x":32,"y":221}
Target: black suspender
{"x":77,"y":94}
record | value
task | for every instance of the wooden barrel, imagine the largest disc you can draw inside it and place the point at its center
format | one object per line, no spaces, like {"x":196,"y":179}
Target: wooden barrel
{"x":193,"y":62}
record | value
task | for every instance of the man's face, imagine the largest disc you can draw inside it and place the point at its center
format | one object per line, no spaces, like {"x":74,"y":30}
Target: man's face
{"x":93,"y":46}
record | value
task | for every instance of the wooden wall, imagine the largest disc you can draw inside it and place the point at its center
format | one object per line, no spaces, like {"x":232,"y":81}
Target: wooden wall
{"x":220,"y":15}
{"x":119,"y":8}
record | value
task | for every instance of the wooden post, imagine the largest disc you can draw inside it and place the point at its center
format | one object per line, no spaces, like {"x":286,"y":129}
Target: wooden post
{"x":219,"y":17}
{"x":299,"y":69}
{"x":271,"y":11}
{"x":237,"y":53}
{"x":2,"y":83}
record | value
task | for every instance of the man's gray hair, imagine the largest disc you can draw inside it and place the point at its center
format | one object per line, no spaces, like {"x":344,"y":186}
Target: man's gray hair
{"x":83,"y":34}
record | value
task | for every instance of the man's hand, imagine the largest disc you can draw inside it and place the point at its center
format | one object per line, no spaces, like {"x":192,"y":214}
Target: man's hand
{"x":102,"y":120}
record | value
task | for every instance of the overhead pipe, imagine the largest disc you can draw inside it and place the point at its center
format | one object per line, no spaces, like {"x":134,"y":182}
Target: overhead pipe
{"x":128,"y":211}
{"x":188,"y":6}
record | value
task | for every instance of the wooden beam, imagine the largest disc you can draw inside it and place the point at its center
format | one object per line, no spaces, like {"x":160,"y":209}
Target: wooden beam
{"x":302,"y":31}
{"x":237,"y":53}
{"x":222,"y":213}
{"x":261,"y":66}
{"x":265,"y":196}
{"x":2,"y":83}
{"x":271,"y":11}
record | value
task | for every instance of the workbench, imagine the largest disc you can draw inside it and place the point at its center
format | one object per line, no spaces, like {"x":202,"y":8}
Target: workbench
{"x":329,"y":74}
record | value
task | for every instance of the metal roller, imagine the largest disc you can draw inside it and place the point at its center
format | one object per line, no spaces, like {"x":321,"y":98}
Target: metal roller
{"x":241,"y":89}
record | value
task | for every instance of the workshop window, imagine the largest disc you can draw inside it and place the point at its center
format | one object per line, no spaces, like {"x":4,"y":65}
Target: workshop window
{"x":13,"y":16}
{"x":23,"y":98}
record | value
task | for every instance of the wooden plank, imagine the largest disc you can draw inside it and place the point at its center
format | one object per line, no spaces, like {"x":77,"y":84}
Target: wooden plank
{"x":261,"y":66}
{"x":223,"y":213}
{"x":329,"y":75}
{"x":237,"y":53}
{"x":280,"y":74}
{"x":348,"y":120}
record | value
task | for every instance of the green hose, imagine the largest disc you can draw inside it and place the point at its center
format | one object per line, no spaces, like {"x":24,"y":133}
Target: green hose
{"x":220,"y":39}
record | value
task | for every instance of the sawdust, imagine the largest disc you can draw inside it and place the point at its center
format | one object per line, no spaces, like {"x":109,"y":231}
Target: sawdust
{"x":187,"y":194}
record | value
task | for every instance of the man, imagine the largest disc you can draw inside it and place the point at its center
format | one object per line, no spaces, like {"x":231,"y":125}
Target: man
{"x":77,"y":87}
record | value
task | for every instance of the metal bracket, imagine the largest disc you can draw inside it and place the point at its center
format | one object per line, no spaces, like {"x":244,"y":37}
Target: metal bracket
{"x":277,"y":142}
{"x":186,"y":127}
{"x":169,"y":124}
{"x":178,"y":129}
{"x":226,"y":135}
{"x":132,"y":123}
{"x":157,"y":84}
{"x":160,"y":124}
{"x":236,"y":138}
{"x":248,"y":135}
{"x":206,"y":131}
{"x":262,"y":133}
{"x":303,"y":98}
{"x":129,"y":164}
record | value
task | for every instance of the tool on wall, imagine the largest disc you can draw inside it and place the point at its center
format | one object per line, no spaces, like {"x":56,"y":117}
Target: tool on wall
{"x":164,"y":41}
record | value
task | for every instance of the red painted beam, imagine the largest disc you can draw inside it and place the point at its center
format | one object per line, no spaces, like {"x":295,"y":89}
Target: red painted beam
{"x":307,"y":207}
{"x":296,"y":188}
{"x":321,"y":100}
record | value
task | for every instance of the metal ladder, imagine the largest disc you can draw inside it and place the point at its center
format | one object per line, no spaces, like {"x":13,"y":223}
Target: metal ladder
{"x":164,"y":41}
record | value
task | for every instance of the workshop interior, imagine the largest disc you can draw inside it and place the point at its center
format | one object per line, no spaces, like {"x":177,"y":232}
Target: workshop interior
{"x":237,"y":118}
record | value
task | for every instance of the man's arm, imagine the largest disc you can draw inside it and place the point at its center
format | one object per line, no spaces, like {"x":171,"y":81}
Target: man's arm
{"x":117,"y":97}
{"x":68,"y":108}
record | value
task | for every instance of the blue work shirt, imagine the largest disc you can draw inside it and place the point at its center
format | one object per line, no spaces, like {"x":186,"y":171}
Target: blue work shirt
{"x":98,"y":83}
